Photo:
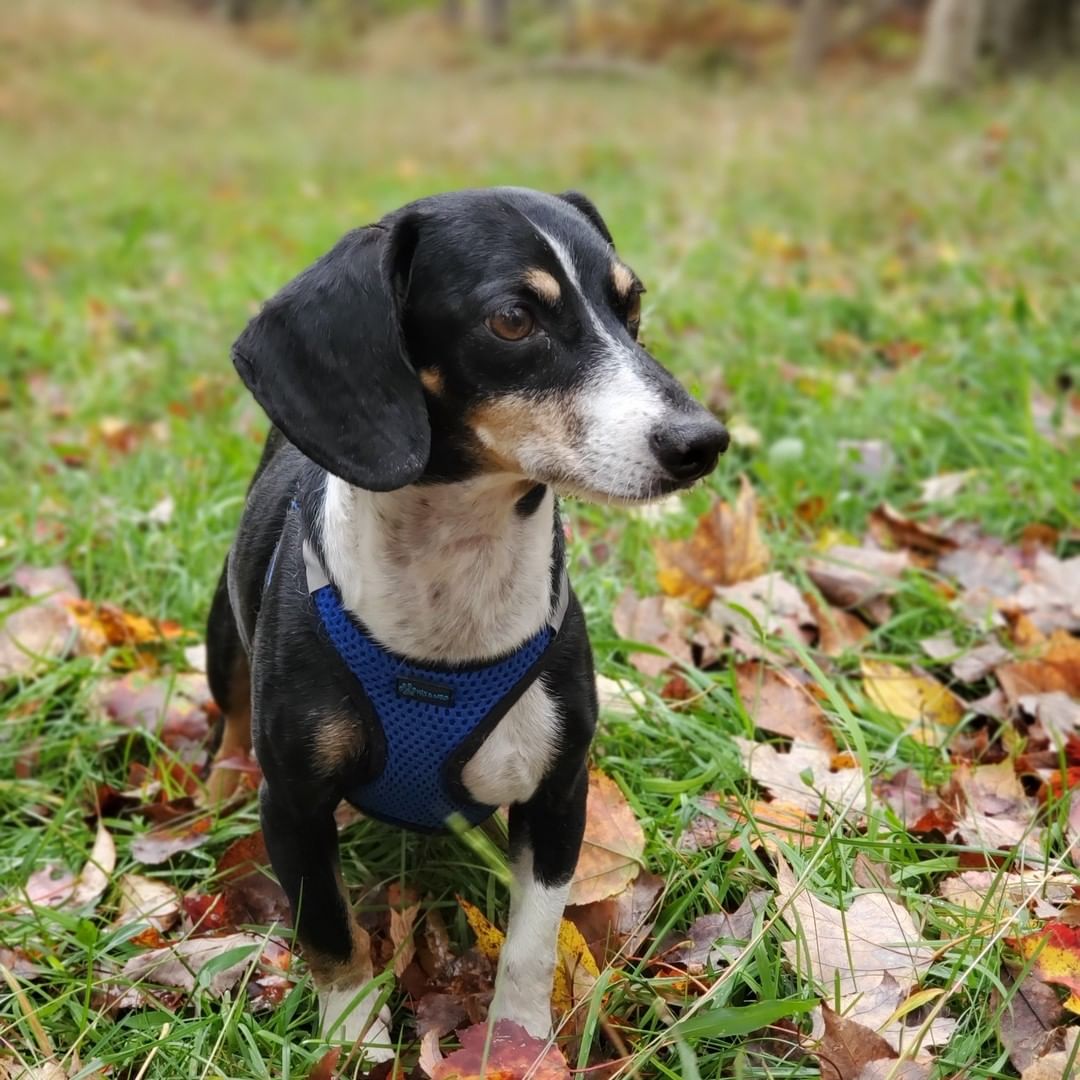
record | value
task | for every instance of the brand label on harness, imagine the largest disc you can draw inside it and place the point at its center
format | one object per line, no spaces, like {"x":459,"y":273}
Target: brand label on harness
{"x":419,"y":690}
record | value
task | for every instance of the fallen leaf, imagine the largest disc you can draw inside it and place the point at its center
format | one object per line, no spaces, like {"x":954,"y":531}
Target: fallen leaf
{"x":105,"y":626}
{"x":654,"y":620}
{"x":806,"y":776}
{"x":717,"y":938}
{"x":81,"y":891}
{"x":614,"y":841}
{"x":945,"y":486}
{"x":249,"y":891}
{"x":729,"y":815}
{"x":777,"y":703}
{"x":159,"y":845}
{"x":852,"y":950}
{"x":44,"y":630}
{"x":161,"y":513}
{"x":323,"y":1069}
{"x":179,"y":964}
{"x":401,"y":936}
{"x":914,"y":697}
{"x":1056,"y":953}
{"x":576,"y":970}
{"x":767,"y":605}
{"x":1055,"y":669}
{"x":994,"y":812}
{"x":997,"y":896}
{"x":913,"y":803}
{"x":847,"y":1047}
{"x":439,"y":1014}
{"x":46,"y":1070}
{"x":852,"y":577}
{"x":838,"y":631}
{"x":726,"y":548}
{"x":1050,"y":597}
{"x":618,"y":925}
{"x":510,"y":1054}
{"x":150,"y":900}
{"x":176,"y":708}
{"x":1057,"y":1058}
{"x":871,"y":459}
{"x":1033,"y":1010}
{"x":888,"y":526}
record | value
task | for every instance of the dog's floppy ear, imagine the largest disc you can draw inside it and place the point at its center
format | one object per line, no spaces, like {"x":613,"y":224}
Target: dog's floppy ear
{"x":585,"y":206}
{"x":326,"y":359}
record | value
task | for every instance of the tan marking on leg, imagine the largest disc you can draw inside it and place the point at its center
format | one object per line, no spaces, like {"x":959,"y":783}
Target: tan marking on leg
{"x":336,"y":742}
{"x":543,"y":284}
{"x":432,"y":380}
{"x":622,"y":277}
{"x":222,"y":783}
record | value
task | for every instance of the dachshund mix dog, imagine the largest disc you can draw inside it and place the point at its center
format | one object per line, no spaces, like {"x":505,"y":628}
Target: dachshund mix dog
{"x":394,"y":625}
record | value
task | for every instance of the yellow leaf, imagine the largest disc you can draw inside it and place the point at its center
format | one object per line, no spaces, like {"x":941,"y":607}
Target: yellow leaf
{"x":1056,"y":950}
{"x":575,"y":971}
{"x":910,"y":697}
{"x":489,"y":939}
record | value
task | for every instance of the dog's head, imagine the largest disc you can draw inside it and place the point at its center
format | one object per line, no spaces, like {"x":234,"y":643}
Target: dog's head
{"x":479,"y":331}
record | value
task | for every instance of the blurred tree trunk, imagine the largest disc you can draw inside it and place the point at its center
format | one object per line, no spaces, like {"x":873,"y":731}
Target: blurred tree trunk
{"x":453,"y":13}
{"x":497,"y":20}
{"x":950,"y":45}
{"x":813,"y":32}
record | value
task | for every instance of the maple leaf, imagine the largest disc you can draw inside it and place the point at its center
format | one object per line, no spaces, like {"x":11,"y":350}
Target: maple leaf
{"x":728,"y":815}
{"x":716,"y":938}
{"x":161,"y":844}
{"x":511,"y":1053}
{"x":149,"y":900}
{"x":613,"y":845}
{"x":726,"y":548}
{"x":846,"y":1047}
{"x":854,"y":577}
{"x":654,"y":620}
{"x":1055,"y":950}
{"x":1030,"y":1013}
{"x":618,"y":924}
{"x":995,"y":812}
{"x":850,"y":950}
{"x":769,"y":605}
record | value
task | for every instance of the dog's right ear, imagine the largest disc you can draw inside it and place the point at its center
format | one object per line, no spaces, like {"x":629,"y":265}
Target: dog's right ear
{"x":326,"y":360}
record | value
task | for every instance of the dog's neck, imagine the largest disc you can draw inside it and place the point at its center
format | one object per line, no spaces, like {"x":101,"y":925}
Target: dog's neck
{"x":446,"y":573}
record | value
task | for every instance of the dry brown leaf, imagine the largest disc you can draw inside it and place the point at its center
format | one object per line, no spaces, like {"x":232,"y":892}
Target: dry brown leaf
{"x":729,"y":815}
{"x":159,"y":845}
{"x":945,"y":486}
{"x":41,"y":630}
{"x":620,"y":924}
{"x":654,"y":620}
{"x":771,"y":602}
{"x":178,"y":964}
{"x":83,"y":890}
{"x":105,"y":626}
{"x":917,"y":698}
{"x":401,"y":936}
{"x":838,"y":631}
{"x":177,"y":708}
{"x":851,"y":577}
{"x":847,"y":1047}
{"x":717,"y":938}
{"x":1050,"y":597}
{"x":511,"y":1053}
{"x":805,"y":776}
{"x":1056,"y":669}
{"x":726,"y":548}
{"x":777,"y":703}
{"x":613,"y":845}
{"x":849,"y":951}
{"x":249,"y":892}
{"x":1055,"y":1064}
{"x":150,"y":900}
{"x":997,"y":896}
{"x":889,"y":527}
{"x":1032,"y":1012}
{"x":46,"y":1070}
{"x":995,"y":813}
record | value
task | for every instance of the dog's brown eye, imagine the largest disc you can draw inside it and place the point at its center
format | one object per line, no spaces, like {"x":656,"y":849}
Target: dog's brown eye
{"x":511,"y":324}
{"x":633,"y":314}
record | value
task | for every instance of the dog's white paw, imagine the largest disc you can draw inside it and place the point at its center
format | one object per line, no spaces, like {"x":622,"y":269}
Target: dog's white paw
{"x":347,"y":1014}
{"x":532,"y":1012}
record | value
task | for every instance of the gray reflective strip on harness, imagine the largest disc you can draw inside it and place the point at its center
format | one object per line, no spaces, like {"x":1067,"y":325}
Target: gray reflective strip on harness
{"x":317,"y":579}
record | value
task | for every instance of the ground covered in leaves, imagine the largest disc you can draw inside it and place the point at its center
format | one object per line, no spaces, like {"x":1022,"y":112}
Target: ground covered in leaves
{"x":833,"y":824}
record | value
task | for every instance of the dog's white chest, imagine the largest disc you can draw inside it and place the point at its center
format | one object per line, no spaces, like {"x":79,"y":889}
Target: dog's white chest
{"x":512,"y":760}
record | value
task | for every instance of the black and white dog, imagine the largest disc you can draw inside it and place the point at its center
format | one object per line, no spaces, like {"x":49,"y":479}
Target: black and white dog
{"x":394,"y":625}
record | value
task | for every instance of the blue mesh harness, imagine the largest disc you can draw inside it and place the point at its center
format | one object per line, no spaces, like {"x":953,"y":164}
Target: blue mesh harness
{"x":433,"y":717}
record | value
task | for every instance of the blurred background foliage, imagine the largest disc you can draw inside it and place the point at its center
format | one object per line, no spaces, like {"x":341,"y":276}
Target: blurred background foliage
{"x":941,"y":41}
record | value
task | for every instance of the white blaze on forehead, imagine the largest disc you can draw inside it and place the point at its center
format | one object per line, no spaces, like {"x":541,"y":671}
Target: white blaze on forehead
{"x":620,"y":407}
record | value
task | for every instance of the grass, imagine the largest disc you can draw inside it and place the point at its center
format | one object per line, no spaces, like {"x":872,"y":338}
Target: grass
{"x":159,"y":182}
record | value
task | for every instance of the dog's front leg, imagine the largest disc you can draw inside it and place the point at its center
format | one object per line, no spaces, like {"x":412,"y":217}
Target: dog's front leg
{"x":303,"y":849}
{"x":545,"y":838}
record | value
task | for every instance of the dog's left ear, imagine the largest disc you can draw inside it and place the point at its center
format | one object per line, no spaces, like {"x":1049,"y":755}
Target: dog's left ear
{"x":326,"y":360}
{"x":585,"y":206}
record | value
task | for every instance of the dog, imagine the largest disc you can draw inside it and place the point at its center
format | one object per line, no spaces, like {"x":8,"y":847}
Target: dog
{"x":394,"y":625}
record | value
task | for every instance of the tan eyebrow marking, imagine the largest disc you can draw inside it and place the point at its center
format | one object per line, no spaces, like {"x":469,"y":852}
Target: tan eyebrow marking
{"x":544,"y":285}
{"x":622,"y":277}
{"x":432,"y":380}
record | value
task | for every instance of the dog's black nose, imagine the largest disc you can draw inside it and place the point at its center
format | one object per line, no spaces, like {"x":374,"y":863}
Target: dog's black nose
{"x":688,"y":449}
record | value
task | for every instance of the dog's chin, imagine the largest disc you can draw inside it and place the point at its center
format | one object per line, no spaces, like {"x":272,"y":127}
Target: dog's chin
{"x":650,"y":489}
